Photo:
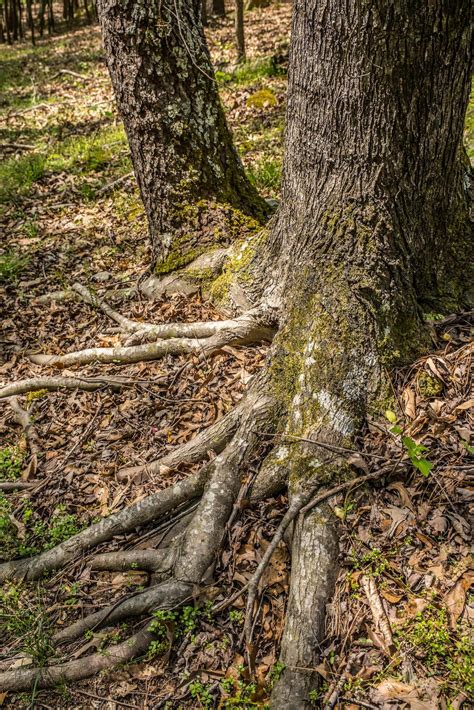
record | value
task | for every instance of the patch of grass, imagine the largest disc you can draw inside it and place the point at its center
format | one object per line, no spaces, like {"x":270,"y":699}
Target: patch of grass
{"x":266,"y":175}
{"x":249,"y":72}
{"x":80,"y":155}
{"x":26,"y":622}
{"x":17,"y":175}
{"x":10,"y":463}
{"x":88,"y":154}
{"x":11,"y":266}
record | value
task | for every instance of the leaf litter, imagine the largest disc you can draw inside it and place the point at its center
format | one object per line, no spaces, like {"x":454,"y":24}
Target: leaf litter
{"x":397,"y":628}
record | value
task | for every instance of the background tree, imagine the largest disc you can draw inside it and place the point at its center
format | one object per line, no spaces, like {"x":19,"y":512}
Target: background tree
{"x":372,"y":230}
{"x":182,"y":151}
{"x":240,"y":30}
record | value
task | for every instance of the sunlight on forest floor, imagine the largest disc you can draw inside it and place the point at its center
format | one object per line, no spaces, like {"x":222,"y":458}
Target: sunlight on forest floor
{"x":70,"y":211}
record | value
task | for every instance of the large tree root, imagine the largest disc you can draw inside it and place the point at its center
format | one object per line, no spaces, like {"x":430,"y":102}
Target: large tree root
{"x":196,"y":555}
{"x":22,"y":679}
{"x":247,"y":332}
{"x":313,"y":576}
{"x":52,"y":384}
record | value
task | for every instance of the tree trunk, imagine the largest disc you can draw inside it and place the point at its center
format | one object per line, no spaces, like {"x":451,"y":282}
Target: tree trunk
{"x":181,"y":148}
{"x":216,"y":8}
{"x":239,"y":30}
{"x":372,"y":231}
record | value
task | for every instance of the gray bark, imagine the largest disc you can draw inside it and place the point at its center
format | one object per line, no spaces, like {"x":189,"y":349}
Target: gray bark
{"x":164,"y":84}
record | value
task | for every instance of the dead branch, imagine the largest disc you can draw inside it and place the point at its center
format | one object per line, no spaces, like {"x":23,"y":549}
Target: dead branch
{"x":332,"y":695}
{"x":382,"y":624}
{"x":93,"y":300}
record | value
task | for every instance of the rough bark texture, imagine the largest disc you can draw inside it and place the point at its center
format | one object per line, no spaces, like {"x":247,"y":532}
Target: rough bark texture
{"x":372,"y":229}
{"x":313,"y":575}
{"x":164,"y":83}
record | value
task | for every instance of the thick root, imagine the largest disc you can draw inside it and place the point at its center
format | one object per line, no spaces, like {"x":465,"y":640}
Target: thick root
{"x":206,"y":329}
{"x":313,"y":576}
{"x":246,"y":333}
{"x":166,"y":595}
{"x":22,"y":679}
{"x":52,"y":384}
{"x":147,"y":560}
{"x":136,"y":515}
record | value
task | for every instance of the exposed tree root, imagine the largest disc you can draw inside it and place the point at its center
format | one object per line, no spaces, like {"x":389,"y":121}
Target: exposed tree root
{"x":52,"y":384}
{"x":22,"y":679}
{"x":246,"y":333}
{"x":136,"y":515}
{"x":92,"y":299}
{"x":313,"y":576}
{"x":205,"y":329}
{"x":148,"y":560}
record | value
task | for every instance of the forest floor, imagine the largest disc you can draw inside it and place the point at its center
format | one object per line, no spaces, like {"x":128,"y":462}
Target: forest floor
{"x":70,"y":212}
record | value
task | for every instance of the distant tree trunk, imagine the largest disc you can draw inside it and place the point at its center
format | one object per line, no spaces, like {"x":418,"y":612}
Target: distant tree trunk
{"x":216,"y":8}
{"x":204,"y":15}
{"x":31,"y":23}
{"x":182,"y":151}
{"x":239,"y":30}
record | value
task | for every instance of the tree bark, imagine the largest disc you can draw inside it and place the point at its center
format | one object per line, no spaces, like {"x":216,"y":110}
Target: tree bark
{"x":181,"y":148}
{"x":372,"y":232}
{"x":239,"y":30}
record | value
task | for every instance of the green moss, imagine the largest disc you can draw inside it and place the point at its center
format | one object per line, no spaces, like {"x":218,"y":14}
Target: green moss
{"x":429,"y":385}
{"x":237,"y":268}
{"x":250,"y":72}
{"x":469,"y":126}
{"x":264,"y":98}
{"x":224,"y":225}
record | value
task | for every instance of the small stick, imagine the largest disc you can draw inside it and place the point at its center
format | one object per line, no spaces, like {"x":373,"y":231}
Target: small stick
{"x":378,"y":612}
{"x":17,"y":485}
{"x":331,"y":697}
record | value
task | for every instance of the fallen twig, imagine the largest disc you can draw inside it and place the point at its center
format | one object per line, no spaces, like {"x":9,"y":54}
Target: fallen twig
{"x":378,"y":612}
{"x":23,"y":418}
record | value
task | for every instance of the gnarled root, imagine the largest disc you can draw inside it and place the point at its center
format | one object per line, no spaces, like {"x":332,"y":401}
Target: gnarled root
{"x":196,"y":556}
{"x":247,"y":332}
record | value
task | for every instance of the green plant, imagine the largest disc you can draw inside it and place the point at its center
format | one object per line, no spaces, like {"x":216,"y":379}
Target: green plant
{"x":10,"y":463}
{"x":235,"y":615}
{"x":415,"y":451}
{"x":11,"y":265}
{"x":446,"y":652}
{"x":276,"y":671}
{"x":201,"y":692}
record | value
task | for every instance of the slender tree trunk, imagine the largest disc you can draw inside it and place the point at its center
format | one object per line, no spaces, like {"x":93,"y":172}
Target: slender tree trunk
{"x":239,"y":30}
{"x":182,"y":151}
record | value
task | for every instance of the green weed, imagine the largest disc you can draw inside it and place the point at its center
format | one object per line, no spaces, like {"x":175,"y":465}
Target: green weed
{"x":26,"y":622}
{"x":266,"y":175}
{"x":250,"y":72}
{"x":11,"y":461}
